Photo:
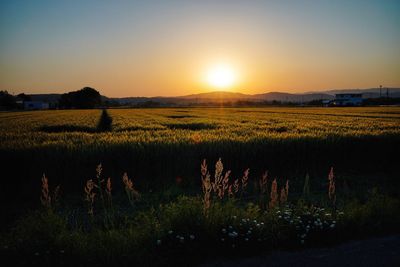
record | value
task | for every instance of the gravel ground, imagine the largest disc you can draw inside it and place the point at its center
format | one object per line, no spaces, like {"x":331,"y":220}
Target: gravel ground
{"x":382,"y":252}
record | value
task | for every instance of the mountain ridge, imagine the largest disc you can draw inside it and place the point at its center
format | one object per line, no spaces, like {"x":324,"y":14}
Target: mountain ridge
{"x":225,"y":96}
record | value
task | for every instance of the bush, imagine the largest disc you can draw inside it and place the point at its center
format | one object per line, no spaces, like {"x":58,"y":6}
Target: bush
{"x":105,"y":122}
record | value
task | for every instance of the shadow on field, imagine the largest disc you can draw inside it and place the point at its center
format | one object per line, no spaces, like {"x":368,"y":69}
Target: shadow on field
{"x":191,"y":126}
{"x":139,"y":128}
{"x":180,"y":116}
{"x":280,"y":129}
{"x":66,"y":128}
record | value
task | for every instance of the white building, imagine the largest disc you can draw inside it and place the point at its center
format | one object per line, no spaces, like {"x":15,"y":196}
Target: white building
{"x":348,"y":100}
{"x":31,"y":105}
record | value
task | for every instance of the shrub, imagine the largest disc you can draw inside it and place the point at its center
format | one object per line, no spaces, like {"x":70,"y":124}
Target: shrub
{"x":105,"y":122}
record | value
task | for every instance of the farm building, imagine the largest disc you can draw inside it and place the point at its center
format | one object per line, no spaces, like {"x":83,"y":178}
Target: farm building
{"x":348,"y":100}
{"x":31,"y":105}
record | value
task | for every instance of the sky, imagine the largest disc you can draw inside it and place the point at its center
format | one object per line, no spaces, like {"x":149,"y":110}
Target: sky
{"x":167,"y":48}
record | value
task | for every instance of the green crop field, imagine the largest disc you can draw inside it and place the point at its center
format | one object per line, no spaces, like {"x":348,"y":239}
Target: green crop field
{"x":157,"y":145}
{"x":75,"y":129}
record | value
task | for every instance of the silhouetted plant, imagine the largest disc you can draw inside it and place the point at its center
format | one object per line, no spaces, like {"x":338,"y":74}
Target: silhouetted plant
{"x":90,"y":195}
{"x":105,"y":122}
{"x":274,"y":195}
{"x":284,"y":193}
{"x":131,"y":192}
{"x":263,"y":190}
{"x":306,"y":188}
{"x":49,"y":202}
{"x":332,"y":188}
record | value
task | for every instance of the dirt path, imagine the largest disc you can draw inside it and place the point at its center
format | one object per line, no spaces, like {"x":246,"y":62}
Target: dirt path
{"x":383,"y":252}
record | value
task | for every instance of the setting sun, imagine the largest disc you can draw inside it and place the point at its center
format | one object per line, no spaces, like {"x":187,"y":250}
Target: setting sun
{"x":221,"y":76}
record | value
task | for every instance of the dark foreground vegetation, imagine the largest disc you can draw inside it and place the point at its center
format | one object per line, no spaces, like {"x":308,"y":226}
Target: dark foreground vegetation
{"x":228,"y":218}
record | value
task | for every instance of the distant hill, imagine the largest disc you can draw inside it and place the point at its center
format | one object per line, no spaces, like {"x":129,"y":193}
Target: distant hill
{"x":217,"y":95}
{"x":223,"y":96}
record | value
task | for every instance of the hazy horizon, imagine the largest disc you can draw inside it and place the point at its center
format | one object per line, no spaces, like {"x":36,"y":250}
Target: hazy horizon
{"x":160,"y":48}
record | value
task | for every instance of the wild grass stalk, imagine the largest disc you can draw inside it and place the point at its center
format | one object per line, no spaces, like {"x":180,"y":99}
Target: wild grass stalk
{"x":244,"y":180}
{"x":108,"y":192}
{"x":306,"y":188}
{"x":274,"y":195}
{"x":206,"y":185}
{"x":263,"y":190}
{"x":284,"y":193}
{"x":99,"y":183}
{"x":45,"y":198}
{"x":332,"y":188}
{"x":90,"y":196}
{"x":49,"y":202}
{"x":131,"y":192}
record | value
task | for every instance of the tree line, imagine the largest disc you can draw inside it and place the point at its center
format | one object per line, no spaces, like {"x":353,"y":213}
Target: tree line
{"x":84,"y":98}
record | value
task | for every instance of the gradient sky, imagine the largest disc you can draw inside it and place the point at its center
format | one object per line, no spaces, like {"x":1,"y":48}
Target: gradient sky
{"x":150,"y":48}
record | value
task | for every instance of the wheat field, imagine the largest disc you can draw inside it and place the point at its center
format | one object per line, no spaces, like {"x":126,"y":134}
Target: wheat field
{"x":75,"y":128}
{"x":158,"y":145}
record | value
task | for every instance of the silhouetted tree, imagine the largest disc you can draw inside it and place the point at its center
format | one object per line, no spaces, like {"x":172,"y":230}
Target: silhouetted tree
{"x":7,"y":101}
{"x":85,"y":98}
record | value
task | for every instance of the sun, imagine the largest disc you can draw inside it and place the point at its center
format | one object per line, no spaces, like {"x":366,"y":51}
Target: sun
{"x":221,"y":76}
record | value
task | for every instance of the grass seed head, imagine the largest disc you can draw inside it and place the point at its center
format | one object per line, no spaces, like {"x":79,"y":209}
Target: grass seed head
{"x":45,"y":198}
